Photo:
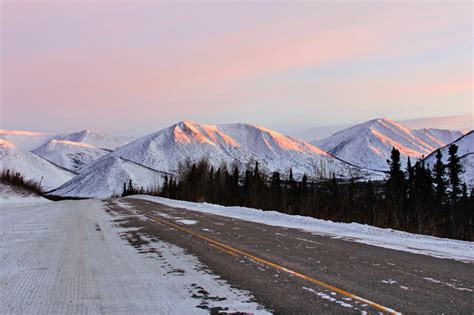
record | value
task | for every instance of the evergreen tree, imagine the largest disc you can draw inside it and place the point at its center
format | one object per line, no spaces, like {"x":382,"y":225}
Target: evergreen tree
{"x":439,"y":178}
{"x":454,"y":171}
{"x":369,"y":202}
{"x":334,"y":198}
{"x":276,"y":191}
{"x":165,"y":190}
{"x":395,"y":187}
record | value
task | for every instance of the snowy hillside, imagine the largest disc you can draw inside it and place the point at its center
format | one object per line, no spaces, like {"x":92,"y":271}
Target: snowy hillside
{"x":369,"y":144}
{"x":95,"y":139}
{"x":439,"y":137}
{"x":31,"y":166}
{"x":11,"y":195}
{"x":465,"y":152}
{"x":241,"y":143}
{"x":68,"y":154}
{"x":27,"y":140}
{"x":106,"y":178}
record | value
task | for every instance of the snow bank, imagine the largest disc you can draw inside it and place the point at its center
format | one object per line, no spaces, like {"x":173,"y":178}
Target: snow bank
{"x":361,"y":233}
{"x":10,"y":196}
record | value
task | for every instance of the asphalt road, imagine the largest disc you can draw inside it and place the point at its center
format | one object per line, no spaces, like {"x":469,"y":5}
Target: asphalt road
{"x":292,"y":271}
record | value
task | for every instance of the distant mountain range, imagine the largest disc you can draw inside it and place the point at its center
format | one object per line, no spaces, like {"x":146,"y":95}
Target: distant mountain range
{"x":228,"y":144}
{"x":369,"y":144}
{"x":30,"y":140}
{"x":31,"y":166}
{"x":90,"y":164}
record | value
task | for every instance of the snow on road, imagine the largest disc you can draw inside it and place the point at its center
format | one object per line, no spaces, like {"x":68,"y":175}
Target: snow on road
{"x":387,"y":238}
{"x":71,"y":257}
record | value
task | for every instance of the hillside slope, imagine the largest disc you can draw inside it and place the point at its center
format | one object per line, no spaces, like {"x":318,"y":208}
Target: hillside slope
{"x":31,"y":166}
{"x":466,"y":154}
{"x":68,"y":154}
{"x":106,"y":178}
{"x":369,"y":144}
{"x":95,"y":139}
{"x":27,"y":140}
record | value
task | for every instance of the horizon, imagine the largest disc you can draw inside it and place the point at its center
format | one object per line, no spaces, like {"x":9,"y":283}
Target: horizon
{"x":144,"y":66}
{"x":463,"y":123}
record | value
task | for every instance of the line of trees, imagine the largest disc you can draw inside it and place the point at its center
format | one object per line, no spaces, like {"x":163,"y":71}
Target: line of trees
{"x":416,"y":200}
{"x":432,"y":201}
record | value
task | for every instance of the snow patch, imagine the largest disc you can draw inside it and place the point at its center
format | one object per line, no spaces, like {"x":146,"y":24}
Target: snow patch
{"x":187,"y":222}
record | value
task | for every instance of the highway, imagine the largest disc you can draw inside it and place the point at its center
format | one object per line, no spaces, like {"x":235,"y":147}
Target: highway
{"x":292,"y":271}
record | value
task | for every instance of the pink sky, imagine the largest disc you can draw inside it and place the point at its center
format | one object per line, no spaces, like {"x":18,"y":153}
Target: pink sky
{"x":136,"y":67}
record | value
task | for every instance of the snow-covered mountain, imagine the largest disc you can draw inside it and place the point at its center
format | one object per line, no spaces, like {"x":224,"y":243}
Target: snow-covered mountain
{"x":31,"y":166}
{"x":30,"y":140}
{"x":231,"y":143}
{"x":69,"y":154}
{"x":438,"y":137}
{"x":98,"y":140}
{"x":27,"y":140}
{"x":106,"y":177}
{"x":466,"y":154}
{"x":148,"y":159}
{"x":369,"y":144}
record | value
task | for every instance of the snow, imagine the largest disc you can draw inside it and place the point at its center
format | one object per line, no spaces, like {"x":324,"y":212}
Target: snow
{"x":369,"y":144}
{"x":451,"y":285}
{"x":106,"y":178}
{"x":466,"y":154}
{"x":31,"y":166}
{"x":187,"y":222}
{"x":71,"y":258}
{"x":30,"y":140}
{"x":69,"y":154}
{"x":440,"y":137}
{"x":95,"y":139}
{"x":27,"y":140}
{"x":329,"y":298}
{"x":232,"y":143}
{"x":12,"y":196}
{"x":386,"y":238}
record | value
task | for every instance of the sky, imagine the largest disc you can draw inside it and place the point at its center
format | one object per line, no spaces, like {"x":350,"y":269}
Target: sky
{"x":134,"y":67}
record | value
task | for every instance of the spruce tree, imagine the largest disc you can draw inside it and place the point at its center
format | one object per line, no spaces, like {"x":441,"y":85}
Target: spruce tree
{"x":439,"y":178}
{"x":276,"y":191}
{"x":395,"y":187}
{"x":454,"y":171}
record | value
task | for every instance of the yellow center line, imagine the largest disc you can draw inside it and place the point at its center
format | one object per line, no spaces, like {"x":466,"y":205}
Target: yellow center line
{"x":233,"y":251}
{"x":224,"y":250}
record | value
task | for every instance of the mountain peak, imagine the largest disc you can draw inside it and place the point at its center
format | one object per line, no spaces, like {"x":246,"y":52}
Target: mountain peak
{"x":380,"y":121}
{"x":369,"y":144}
{"x":68,"y":143}
{"x":6,"y":144}
{"x":93,"y":138}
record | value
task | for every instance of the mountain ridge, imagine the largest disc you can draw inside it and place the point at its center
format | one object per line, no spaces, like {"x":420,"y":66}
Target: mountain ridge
{"x":369,"y":144}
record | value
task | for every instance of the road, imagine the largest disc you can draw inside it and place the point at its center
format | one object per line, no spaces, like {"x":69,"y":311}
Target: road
{"x":70,"y":257}
{"x":123,"y":256}
{"x":253,"y":256}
